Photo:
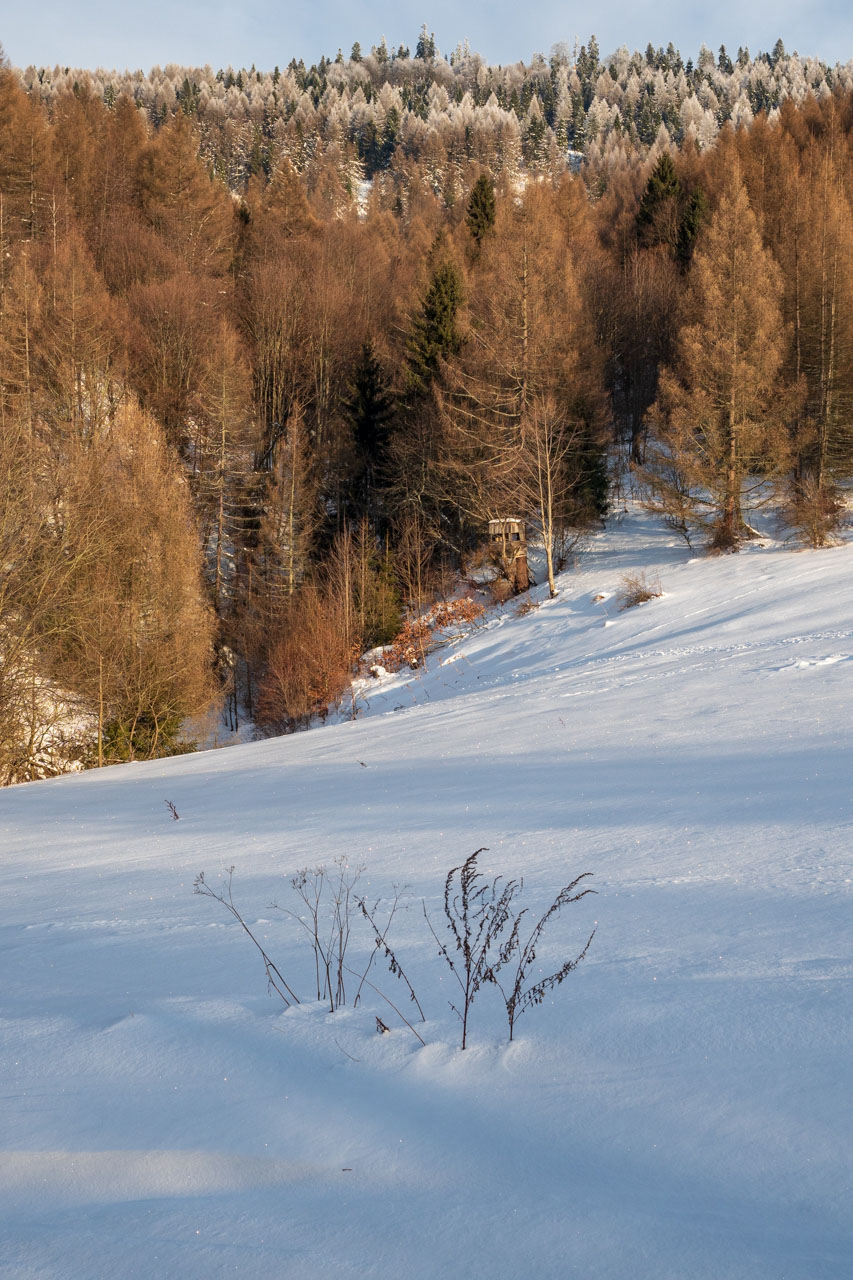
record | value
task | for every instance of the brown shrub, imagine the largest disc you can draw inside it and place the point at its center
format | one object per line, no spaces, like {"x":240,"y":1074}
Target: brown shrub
{"x":817,"y":513}
{"x":501,"y":590}
{"x":419,"y":635}
{"x":309,"y":664}
{"x":637,"y":588}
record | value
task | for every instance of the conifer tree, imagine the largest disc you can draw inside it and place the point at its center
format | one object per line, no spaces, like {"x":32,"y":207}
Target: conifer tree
{"x":223,"y":461}
{"x":434,"y":334}
{"x":723,"y":404}
{"x":136,"y":634}
{"x":668,"y":214}
{"x":693,"y":218}
{"x":369,"y":408}
{"x":182,"y":202}
{"x":21,"y":304}
{"x":290,"y":514}
{"x":25,"y":165}
{"x":814,"y":240}
{"x":79,"y":346}
{"x":32,"y":583}
{"x":174,"y":329}
{"x":480,"y":216}
{"x":413,"y":488}
{"x":659,"y":213}
{"x":425,"y":48}
{"x":778,"y":52}
{"x":522,"y":414}
{"x":276,"y":212}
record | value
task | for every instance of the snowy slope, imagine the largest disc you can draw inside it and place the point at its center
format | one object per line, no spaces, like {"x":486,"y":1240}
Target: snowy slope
{"x":681,"y":1107}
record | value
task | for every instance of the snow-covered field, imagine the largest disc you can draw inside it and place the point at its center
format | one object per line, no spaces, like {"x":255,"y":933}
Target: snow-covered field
{"x":680,"y":1108}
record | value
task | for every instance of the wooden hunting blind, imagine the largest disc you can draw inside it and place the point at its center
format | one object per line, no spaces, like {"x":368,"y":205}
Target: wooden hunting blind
{"x":508,"y":529}
{"x":508,"y":537}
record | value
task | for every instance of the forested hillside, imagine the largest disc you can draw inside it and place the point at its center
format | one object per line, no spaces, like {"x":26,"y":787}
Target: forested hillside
{"x":371,"y":112}
{"x":275,"y":348}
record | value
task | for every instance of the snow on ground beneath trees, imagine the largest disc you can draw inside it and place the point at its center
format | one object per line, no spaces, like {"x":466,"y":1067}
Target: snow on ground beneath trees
{"x":680,"y":1107}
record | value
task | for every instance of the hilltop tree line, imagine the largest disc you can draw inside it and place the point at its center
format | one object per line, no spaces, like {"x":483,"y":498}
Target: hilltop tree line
{"x":248,"y":414}
{"x":380,"y":112}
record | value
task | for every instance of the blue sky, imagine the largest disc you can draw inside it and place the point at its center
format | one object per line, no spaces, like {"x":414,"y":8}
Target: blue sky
{"x":90,"y":33}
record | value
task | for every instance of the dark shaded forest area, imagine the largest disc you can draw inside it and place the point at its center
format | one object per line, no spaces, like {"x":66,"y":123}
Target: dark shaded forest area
{"x":265,"y":379}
